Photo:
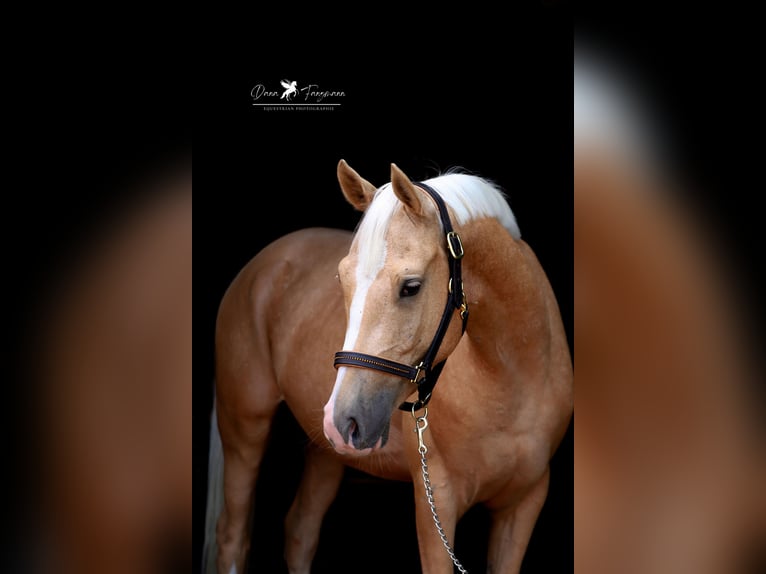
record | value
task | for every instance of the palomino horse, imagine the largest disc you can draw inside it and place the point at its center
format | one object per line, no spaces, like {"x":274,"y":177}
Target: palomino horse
{"x":504,"y":398}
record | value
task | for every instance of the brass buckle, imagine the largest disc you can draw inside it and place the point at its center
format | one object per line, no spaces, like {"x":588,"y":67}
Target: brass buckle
{"x":417,"y":373}
{"x":464,"y":303}
{"x":449,"y":287}
{"x":456,"y":247}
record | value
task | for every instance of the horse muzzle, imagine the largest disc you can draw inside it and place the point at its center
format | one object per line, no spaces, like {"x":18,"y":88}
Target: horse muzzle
{"x":359,"y":426}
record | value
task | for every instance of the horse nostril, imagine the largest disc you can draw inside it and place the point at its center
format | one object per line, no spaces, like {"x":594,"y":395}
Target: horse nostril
{"x":353,"y":430}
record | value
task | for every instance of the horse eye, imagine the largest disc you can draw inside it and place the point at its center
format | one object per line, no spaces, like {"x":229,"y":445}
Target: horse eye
{"x":410,"y":288}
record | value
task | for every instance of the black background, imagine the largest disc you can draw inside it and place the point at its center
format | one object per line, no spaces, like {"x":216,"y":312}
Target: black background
{"x":266,"y":173}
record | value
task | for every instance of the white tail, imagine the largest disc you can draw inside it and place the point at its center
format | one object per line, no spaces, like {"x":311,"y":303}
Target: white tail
{"x":214,"y":496}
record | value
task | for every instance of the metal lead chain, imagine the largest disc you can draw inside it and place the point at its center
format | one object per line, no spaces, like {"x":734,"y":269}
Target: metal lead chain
{"x":420,"y":425}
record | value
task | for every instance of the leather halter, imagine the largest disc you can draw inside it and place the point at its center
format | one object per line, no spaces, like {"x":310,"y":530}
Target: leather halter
{"x":424,"y":374}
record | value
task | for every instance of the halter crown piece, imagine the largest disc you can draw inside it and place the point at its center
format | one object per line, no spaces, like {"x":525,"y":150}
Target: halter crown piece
{"x":424,"y":374}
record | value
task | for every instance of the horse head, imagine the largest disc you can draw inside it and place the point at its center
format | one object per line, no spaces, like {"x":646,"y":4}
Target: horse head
{"x":395,"y":281}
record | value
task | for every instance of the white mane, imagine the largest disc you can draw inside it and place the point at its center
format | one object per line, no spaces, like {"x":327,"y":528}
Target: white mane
{"x":469,"y":196}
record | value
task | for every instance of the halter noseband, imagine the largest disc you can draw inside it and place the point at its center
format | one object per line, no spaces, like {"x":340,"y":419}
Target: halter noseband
{"x":424,"y":374}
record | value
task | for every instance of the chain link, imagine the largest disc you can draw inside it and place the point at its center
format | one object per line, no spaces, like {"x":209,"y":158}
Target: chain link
{"x":422,"y":449}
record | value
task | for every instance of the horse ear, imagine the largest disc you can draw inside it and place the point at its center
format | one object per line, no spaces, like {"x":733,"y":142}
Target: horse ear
{"x":405,"y":190}
{"x":357,"y":190}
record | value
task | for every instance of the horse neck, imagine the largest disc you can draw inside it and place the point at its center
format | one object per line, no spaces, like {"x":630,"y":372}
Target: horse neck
{"x":510,"y":301}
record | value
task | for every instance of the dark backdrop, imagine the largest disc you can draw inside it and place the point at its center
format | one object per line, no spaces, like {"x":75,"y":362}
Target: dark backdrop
{"x":267,"y":173}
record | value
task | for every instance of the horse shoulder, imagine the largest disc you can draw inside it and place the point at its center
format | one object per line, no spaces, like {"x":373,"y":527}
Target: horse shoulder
{"x":259,"y":298}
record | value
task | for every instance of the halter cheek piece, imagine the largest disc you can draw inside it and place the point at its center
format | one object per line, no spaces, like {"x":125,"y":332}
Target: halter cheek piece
{"x":424,"y":374}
